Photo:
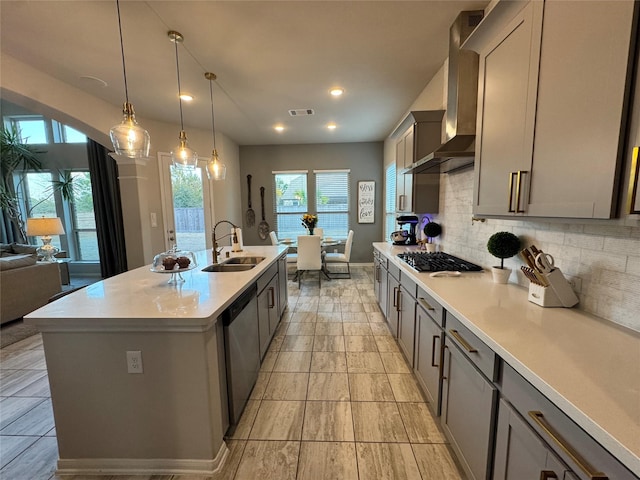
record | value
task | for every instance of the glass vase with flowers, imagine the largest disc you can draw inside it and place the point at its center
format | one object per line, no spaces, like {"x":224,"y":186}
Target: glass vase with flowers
{"x":309,"y":222}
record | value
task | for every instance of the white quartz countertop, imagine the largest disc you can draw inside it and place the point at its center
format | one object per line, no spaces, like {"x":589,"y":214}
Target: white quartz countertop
{"x":142,"y":299}
{"x":588,"y":367}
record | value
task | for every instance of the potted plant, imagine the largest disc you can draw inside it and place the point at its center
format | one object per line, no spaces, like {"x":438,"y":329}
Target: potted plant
{"x":502,"y":245}
{"x":431,"y":230}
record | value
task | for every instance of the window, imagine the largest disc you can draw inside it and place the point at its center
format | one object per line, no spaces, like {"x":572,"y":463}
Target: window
{"x":390,"y":201}
{"x":41,"y":198}
{"x":65,"y":134}
{"x":32,"y":128}
{"x":332,"y":202}
{"x":290,"y":202}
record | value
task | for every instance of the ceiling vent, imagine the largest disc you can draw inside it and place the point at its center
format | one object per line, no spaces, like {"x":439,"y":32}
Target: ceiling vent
{"x":300,"y":112}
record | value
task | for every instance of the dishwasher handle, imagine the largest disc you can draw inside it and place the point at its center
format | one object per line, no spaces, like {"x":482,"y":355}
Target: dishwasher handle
{"x":232,"y":312}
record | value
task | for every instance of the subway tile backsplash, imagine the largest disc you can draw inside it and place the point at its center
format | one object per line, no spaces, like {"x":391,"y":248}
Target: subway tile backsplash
{"x":602,"y":258}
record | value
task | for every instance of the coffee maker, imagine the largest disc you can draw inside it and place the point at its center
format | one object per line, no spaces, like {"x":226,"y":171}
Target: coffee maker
{"x":411,"y":221}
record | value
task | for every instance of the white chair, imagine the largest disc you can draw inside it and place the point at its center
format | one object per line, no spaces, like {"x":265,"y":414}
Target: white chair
{"x":340,"y":257}
{"x":274,"y":238}
{"x":309,"y":255}
{"x":319,"y":231}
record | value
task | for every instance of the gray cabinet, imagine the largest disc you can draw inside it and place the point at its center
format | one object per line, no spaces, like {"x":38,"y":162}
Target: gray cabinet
{"x":582,"y":456}
{"x":521,"y":453}
{"x":468,"y":401}
{"x":428,"y":358}
{"x":393,"y":292}
{"x":268,"y":316}
{"x":418,"y":135}
{"x":407,"y":318}
{"x":283,"y":292}
{"x":551,"y":131}
{"x":380,"y":280}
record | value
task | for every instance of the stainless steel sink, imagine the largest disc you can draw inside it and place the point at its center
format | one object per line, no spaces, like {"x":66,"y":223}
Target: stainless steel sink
{"x":242,"y":260}
{"x":229,"y":267}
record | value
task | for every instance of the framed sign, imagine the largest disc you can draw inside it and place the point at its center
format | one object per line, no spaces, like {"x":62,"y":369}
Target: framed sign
{"x":366,"y":201}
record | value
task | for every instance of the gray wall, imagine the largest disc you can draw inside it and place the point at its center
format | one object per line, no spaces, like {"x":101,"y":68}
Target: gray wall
{"x":365,"y":161}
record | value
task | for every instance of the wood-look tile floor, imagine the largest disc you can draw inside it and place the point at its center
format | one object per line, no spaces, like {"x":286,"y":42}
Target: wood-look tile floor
{"x":335,"y":399}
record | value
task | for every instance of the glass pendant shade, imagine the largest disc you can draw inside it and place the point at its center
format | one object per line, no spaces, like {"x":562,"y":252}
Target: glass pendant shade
{"x":182,"y":155}
{"x":216,"y":170}
{"x":129,"y":138}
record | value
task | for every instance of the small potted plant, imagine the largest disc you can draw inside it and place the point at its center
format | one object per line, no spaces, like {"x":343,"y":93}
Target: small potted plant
{"x":502,"y":245}
{"x":431,"y":230}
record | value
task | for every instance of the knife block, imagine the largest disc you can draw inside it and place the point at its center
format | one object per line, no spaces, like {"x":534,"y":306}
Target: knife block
{"x":557,"y":294}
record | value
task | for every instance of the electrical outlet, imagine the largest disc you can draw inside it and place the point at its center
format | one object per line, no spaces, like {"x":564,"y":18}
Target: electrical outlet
{"x":575,"y":283}
{"x":134,"y":361}
{"x":154,"y":219}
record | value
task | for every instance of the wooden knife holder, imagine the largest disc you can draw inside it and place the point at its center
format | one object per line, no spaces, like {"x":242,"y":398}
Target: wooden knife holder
{"x":558,"y":293}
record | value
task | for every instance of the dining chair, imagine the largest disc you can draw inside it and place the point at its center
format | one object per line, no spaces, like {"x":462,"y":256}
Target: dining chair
{"x":309,"y":256}
{"x":340,"y":258}
{"x":274,"y":238}
{"x":291,"y":257}
{"x":318,"y":231}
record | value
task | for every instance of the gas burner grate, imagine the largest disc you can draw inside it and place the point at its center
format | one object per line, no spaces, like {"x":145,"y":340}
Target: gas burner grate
{"x":437,"y":262}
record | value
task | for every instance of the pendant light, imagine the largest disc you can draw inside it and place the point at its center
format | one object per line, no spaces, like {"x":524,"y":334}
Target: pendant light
{"x":216,"y":170}
{"x":182,"y":155}
{"x":128,"y":137}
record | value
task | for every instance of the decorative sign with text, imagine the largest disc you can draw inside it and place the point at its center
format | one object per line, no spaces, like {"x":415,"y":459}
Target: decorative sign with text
{"x":366,"y":201}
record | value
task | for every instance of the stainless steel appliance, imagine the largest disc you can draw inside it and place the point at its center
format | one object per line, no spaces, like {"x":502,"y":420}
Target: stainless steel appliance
{"x":437,"y":262}
{"x":242,"y":350}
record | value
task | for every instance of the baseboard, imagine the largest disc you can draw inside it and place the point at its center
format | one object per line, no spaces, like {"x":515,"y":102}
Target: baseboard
{"x":143,"y":466}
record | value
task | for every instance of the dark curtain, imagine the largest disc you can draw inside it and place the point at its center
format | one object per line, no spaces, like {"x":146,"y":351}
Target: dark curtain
{"x":8,"y":231}
{"x":108,"y":210}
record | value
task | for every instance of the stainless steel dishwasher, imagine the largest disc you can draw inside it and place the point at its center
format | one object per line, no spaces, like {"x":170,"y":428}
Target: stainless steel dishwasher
{"x":242,"y":350}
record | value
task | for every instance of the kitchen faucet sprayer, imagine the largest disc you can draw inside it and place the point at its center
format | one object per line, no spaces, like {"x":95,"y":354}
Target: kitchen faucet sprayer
{"x":215,"y":241}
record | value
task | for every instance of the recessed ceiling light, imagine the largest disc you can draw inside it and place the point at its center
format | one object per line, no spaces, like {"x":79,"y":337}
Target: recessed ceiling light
{"x":332,"y":126}
{"x":336,"y":91}
{"x":186,"y":97}
{"x":279,"y":128}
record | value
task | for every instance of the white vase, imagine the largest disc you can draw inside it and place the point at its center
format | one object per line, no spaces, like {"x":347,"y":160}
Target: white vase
{"x":500,"y":275}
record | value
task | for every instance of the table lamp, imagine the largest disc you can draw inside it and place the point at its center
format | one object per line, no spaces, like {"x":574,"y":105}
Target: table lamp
{"x":45,"y":227}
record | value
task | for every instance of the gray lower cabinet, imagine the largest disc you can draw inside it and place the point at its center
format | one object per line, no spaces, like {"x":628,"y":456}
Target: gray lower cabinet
{"x":380,"y":280}
{"x":428,"y":358}
{"x":393,"y":289}
{"x":268,"y":316}
{"x":283,"y":293}
{"x":521,"y":453}
{"x":468,"y":406}
{"x":407,"y":318}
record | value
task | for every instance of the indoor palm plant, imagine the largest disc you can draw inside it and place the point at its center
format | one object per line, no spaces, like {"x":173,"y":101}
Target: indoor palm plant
{"x":502,"y":245}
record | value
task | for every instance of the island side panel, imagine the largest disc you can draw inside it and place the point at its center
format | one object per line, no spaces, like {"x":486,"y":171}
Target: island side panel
{"x":170,"y":411}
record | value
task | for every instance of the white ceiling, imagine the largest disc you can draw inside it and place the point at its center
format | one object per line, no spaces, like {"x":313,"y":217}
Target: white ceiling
{"x":269,"y":56}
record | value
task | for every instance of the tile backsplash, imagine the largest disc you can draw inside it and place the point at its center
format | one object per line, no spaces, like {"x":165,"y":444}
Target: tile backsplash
{"x":600,"y":258}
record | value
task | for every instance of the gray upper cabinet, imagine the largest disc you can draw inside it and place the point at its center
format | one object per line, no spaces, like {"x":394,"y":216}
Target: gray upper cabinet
{"x":417,"y":136}
{"x":554,"y":83}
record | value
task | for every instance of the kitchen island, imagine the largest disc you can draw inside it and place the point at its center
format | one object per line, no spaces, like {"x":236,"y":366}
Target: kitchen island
{"x":169,"y":415}
{"x":587,"y":367}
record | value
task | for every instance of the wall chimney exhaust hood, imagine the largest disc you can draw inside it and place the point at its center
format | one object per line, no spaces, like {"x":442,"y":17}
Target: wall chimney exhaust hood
{"x":462,"y":100}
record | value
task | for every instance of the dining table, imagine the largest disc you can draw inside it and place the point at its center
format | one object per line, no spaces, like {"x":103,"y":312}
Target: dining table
{"x":325,"y":242}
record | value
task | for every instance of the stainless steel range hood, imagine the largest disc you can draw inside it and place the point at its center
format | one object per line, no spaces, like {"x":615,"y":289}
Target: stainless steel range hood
{"x":462,"y":99}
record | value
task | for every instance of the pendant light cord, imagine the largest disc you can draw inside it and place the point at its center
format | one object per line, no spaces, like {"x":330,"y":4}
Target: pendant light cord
{"x":213,"y":121}
{"x":179,"y":90}
{"x":124,"y":68}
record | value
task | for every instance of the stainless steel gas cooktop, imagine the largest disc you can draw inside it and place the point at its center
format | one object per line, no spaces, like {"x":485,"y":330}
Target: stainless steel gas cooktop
{"x":437,"y":262}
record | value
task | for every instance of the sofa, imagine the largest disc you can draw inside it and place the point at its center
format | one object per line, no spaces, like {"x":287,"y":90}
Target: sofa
{"x":25,"y":283}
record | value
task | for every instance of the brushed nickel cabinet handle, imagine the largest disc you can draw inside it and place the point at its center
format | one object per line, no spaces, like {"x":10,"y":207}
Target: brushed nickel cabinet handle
{"x":548,"y":474}
{"x":591,"y":472}
{"x":521,"y":173}
{"x":443,"y":350}
{"x":433,"y":351}
{"x":395,"y":297}
{"x":467,"y":346}
{"x":634,"y":180}
{"x":273,"y":297}
{"x":399,"y":306}
{"x":425,"y":304}
{"x":511,"y":175}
